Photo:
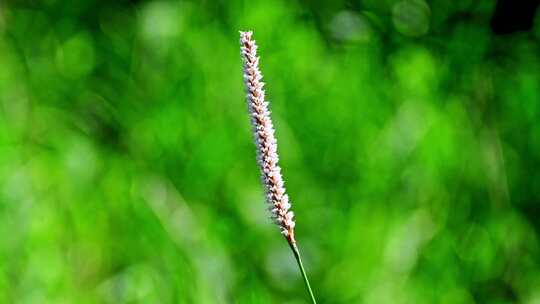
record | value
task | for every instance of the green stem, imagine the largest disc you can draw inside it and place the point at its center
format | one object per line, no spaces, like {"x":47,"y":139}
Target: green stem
{"x":304,"y":275}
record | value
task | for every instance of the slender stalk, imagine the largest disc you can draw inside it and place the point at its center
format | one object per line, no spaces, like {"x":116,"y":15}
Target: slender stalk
{"x":303,"y":271}
{"x":266,"y":144}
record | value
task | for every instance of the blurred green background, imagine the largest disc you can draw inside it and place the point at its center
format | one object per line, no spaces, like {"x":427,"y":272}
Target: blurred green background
{"x":408,"y":132}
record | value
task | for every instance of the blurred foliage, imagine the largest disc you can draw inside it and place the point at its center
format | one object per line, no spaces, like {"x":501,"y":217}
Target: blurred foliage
{"x":409,"y":141}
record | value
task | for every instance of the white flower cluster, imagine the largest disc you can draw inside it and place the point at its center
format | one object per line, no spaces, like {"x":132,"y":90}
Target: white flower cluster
{"x":265,"y":140}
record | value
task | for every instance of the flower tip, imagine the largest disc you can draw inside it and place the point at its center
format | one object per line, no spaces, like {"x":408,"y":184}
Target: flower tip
{"x":246,"y":34}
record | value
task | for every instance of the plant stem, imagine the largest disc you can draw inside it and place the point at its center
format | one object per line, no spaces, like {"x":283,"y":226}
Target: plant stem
{"x":304,"y":275}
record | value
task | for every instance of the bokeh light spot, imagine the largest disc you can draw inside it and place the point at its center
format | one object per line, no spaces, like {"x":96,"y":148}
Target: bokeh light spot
{"x":350,"y":26}
{"x":160,"y":20}
{"x":411,"y":17}
{"x":75,"y":58}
